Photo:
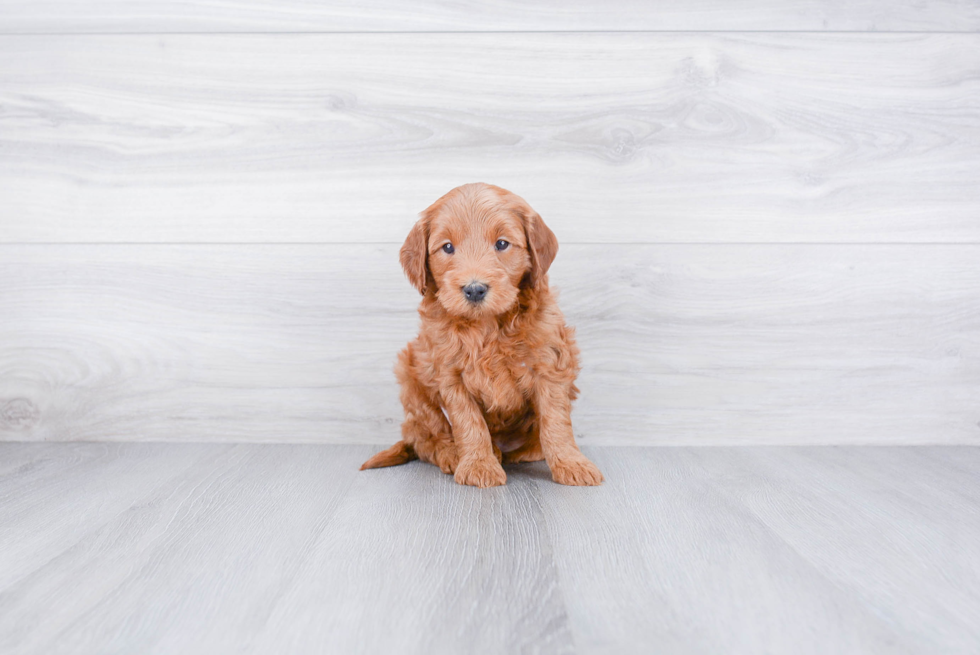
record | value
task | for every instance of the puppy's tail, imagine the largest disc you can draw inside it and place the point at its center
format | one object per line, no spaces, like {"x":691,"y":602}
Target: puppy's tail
{"x":400,"y":453}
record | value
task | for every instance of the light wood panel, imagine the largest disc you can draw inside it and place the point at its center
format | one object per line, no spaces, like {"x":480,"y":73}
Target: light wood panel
{"x":707,"y":344}
{"x":472,"y":15}
{"x":913,"y":512}
{"x":177,"y":550}
{"x":612,"y":137}
{"x":414,"y":563}
{"x":749,"y":550}
{"x":190,"y":548}
{"x":61,"y":496}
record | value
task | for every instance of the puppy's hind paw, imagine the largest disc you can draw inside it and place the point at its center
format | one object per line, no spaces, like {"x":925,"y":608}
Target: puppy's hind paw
{"x":447,"y":460}
{"x":480,"y":473}
{"x":576,"y":472}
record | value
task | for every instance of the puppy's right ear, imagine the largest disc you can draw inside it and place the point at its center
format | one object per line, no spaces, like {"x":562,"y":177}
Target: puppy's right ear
{"x":414,"y":256}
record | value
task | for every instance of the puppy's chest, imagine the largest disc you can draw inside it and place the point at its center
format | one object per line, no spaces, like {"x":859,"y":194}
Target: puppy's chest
{"x":498,"y":377}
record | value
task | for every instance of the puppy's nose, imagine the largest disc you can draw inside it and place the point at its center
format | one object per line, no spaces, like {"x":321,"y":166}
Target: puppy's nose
{"x":475,"y":291}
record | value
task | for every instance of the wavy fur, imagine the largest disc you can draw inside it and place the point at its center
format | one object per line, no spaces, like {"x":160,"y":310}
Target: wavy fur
{"x":503,"y":370}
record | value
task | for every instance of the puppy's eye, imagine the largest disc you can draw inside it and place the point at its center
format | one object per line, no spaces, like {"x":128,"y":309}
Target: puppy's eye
{"x":448,"y":249}
{"x":501,"y":244}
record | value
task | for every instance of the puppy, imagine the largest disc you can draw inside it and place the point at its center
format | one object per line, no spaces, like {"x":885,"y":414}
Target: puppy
{"x":491,"y":377}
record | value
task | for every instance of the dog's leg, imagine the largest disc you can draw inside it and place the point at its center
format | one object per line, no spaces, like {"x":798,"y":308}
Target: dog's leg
{"x":567,"y":463}
{"x":530,"y":451}
{"x":425,"y":427}
{"x":478,"y":465}
{"x":525,"y":436}
{"x":427,"y":430}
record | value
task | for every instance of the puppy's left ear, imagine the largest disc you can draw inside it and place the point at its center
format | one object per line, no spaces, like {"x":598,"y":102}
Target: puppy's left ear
{"x":542,"y":245}
{"x":414,"y":256}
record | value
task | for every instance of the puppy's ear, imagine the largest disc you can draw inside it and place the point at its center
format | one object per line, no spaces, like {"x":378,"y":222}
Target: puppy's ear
{"x":414,"y":256}
{"x":542,"y":245}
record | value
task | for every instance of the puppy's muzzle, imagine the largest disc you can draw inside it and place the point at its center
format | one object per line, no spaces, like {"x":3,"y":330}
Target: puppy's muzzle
{"x":475,"y":292}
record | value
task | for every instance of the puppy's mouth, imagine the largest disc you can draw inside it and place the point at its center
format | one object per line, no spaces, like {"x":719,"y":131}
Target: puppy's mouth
{"x":475,"y":299}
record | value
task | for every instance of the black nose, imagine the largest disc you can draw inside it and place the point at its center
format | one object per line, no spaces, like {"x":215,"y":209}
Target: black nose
{"x":475,"y":291}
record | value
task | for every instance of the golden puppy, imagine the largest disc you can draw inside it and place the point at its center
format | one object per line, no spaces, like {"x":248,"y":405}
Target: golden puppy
{"x":493,"y":355}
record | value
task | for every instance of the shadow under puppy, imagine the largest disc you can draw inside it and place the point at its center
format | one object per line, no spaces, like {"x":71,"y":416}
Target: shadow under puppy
{"x":493,"y":355}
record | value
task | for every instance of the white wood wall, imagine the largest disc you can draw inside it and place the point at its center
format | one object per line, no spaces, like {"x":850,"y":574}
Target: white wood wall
{"x":769,"y":211}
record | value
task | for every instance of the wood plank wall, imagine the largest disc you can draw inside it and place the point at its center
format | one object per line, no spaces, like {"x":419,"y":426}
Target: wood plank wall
{"x":769,"y":211}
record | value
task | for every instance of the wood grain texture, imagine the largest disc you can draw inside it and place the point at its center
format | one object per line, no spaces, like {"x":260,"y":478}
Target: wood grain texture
{"x":915,"y":511}
{"x":748,"y":550}
{"x":62,"y":495}
{"x":612,"y":137}
{"x":472,"y":15}
{"x":289,"y":549}
{"x":413,"y":562}
{"x":703,"y":344}
{"x":179,"y":567}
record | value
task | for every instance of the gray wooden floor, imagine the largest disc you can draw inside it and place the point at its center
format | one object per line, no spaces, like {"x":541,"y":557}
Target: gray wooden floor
{"x":213,"y":548}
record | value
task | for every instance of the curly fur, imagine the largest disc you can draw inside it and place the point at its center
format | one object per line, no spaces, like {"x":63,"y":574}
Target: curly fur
{"x":490,"y":382}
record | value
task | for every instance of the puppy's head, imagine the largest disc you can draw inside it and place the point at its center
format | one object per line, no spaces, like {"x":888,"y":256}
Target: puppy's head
{"x":475,"y":248}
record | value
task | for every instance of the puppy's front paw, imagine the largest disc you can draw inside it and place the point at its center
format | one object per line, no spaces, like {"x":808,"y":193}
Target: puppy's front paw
{"x":578,"y":472}
{"x":480,"y":473}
